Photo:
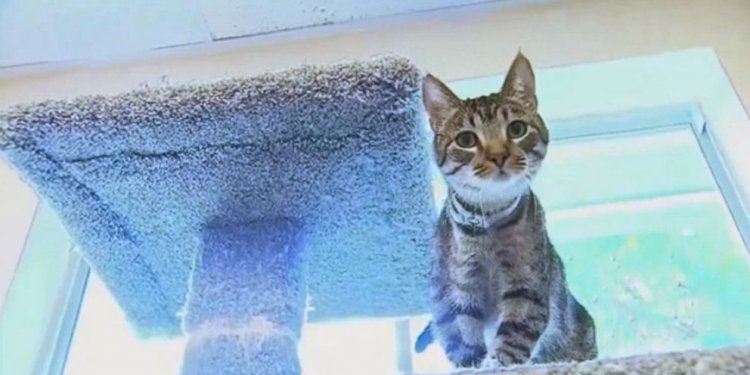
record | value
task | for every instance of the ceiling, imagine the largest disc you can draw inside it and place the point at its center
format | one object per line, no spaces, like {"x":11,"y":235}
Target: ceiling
{"x":45,"y":31}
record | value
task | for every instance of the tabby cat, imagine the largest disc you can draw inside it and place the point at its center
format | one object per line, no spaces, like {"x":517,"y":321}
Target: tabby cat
{"x":497,"y":285}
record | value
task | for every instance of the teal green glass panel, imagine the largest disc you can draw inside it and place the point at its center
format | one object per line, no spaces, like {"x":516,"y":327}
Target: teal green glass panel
{"x":659,"y":262}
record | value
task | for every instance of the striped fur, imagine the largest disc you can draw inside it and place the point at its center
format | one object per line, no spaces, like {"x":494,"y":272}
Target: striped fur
{"x":498,"y":286}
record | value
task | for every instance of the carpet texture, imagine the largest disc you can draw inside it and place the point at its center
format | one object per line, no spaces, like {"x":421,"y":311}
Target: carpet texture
{"x":727,"y":361}
{"x":137,"y":177}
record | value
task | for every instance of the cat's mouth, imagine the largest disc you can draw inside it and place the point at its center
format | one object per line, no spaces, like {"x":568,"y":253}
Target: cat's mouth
{"x":507,"y":172}
{"x":501,"y":173}
{"x":491,"y":173}
{"x":501,"y":176}
{"x":498,"y":175}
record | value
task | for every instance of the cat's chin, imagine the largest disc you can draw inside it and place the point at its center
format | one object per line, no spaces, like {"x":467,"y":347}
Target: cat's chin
{"x":499,"y":188}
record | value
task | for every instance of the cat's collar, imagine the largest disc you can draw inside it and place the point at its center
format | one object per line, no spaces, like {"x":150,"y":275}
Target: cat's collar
{"x":468,"y":215}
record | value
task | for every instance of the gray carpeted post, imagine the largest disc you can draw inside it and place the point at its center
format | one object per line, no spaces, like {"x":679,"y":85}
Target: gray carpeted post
{"x":246,"y":304}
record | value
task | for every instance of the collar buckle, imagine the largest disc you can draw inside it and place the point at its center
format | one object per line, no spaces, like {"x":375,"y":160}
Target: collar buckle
{"x":474,"y":221}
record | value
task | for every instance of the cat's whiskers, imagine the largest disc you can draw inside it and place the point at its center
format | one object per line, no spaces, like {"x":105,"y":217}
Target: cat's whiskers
{"x":520,"y":163}
{"x":480,"y":170}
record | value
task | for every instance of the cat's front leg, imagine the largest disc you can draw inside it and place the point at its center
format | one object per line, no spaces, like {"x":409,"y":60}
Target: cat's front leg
{"x":459,"y":329}
{"x":524,"y":316}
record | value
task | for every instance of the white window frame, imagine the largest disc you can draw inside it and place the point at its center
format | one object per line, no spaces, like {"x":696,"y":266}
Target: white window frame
{"x":598,"y":99}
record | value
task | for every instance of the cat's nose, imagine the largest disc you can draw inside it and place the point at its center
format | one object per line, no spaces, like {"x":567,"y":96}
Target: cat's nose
{"x":498,"y":158}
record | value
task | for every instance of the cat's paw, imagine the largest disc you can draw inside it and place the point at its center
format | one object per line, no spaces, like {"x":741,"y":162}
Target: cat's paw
{"x":462,"y":354}
{"x":509,"y":357}
{"x":493,"y":361}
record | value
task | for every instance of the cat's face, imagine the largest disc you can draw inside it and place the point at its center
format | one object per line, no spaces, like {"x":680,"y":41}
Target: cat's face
{"x":491,"y":145}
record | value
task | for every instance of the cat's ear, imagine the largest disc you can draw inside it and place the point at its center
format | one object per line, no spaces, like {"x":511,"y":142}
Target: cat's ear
{"x":439,"y":101}
{"x":520,"y":86}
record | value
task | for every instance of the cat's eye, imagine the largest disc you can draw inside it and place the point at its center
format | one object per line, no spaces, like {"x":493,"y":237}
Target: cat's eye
{"x":517,"y":129}
{"x":466,"y":139}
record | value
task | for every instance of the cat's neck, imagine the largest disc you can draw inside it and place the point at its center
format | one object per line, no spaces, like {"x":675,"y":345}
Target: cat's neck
{"x":474,"y":210}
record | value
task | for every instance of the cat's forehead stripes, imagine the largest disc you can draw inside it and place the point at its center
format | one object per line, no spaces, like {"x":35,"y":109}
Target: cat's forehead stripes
{"x":504,"y":113}
{"x":480,"y":111}
{"x":490,"y":112}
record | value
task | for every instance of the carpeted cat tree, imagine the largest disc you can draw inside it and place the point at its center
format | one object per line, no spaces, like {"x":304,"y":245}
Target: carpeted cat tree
{"x":217,"y":210}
